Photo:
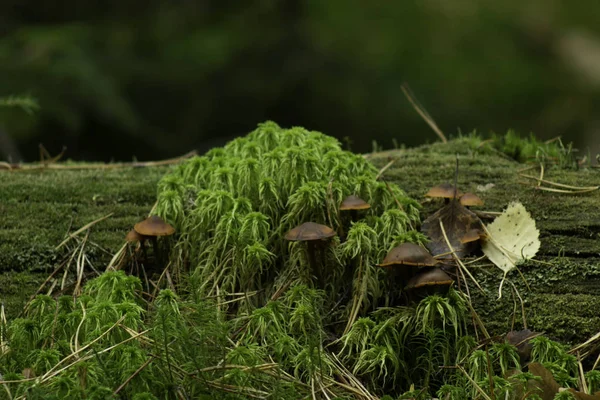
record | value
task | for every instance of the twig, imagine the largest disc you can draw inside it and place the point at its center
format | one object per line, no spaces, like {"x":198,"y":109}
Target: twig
{"x":560,"y":185}
{"x":547,"y":189}
{"x":419,"y":109}
{"x":382,"y":170}
{"x":133,"y":164}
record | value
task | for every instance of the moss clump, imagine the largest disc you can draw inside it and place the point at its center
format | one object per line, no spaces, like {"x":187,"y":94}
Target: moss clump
{"x":233,"y":206}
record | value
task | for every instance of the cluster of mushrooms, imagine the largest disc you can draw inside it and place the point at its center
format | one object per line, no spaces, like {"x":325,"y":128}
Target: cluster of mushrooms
{"x":414,"y":265}
{"x":312,"y":233}
{"x":453,"y":224}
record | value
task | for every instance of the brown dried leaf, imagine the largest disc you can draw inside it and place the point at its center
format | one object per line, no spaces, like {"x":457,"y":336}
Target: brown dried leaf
{"x":457,"y":220}
{"x":548,"y":384}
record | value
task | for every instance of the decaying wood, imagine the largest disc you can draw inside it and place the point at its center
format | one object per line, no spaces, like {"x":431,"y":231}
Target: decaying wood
{"x":39,"y":208}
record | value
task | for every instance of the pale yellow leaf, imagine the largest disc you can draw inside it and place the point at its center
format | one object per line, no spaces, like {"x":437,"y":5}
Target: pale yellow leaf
{"x":512,"y":238}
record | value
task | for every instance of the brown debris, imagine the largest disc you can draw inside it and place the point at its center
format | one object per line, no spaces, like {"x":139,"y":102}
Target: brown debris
{"x":458,"y":221}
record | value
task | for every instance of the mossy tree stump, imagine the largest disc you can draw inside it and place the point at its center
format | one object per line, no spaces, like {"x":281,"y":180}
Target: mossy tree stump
{"x":38,"y":208}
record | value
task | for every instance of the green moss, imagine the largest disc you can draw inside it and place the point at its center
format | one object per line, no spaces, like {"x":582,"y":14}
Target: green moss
{"x":39,"y":208}
{"x":16,"y":288}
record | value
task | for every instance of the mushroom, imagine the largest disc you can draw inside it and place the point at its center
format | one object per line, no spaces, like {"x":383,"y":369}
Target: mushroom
{"x":310,"y":232}
{"x":446,"y":191}
{"x":354,"y":203}
{"x":471,"y":235}
{"x":153,"y":227}
{"x":434,"y":278}
{"x":410,"y":255}
{"x":133,"y":236}
{"x":470,"y":200}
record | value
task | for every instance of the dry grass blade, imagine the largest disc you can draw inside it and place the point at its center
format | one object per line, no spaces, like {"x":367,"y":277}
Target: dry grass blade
{"x":358,"y":388}
{"x":559,"y":185}
{"x":522,"y":303}
{"x":47,"y":376}
{"x":83,"y":348}
{"x":133,"y":164}
{"x":75,"y":345}
{"x":588,"y":342}
{"x":423,"y":113}
{"x":582,"y":381}
{"x":547,"y":189}
{"x":458,"y":261}
{"x":385,"y":168}
{"x":137,"y":371}
{"x":80,"y":266}
{"x":475,"y":385}
{"x":117,"y":259}
{"x":82,"y":229}
{"x":3,"y":325}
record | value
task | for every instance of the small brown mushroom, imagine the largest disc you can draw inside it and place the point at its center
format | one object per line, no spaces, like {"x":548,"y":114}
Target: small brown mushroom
{"x":470,"y":200}
{"x":409,"y":254}
{"x":133,"y":236}
{"x":471,"y":235}
{"x":353,"y":202}
{"x":311,"y":232}
{"x":434,"y":278}
{"x":446,"y":191}
{"x":404,"y":261}
{"x":153,"y":227}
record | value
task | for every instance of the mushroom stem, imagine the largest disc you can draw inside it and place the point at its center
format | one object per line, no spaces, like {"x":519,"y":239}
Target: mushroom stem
{"x":157,"y":257}
{"x":312,"y":261}
{"x":143,"y":247}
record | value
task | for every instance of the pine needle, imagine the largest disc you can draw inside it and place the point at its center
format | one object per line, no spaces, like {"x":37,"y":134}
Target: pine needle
{"x":423,"y":113}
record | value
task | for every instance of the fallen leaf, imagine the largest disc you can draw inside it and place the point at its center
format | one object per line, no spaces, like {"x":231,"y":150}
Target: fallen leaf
{"x":457,"y":220}
{"x":548,"y":385}
{"x":512,"y":238}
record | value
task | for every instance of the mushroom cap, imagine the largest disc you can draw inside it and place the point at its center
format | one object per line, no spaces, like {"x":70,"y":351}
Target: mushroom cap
{"x":133,"y":236}
{"x":470,"y":199}
{"x":408,"y":254}
{"x":445,"y":190}
{"x":472,"y":235}
{"x":353,"y":202}
{"x":432,"y":277}
{"x":309,"y":231}
{"x":154,"y":226}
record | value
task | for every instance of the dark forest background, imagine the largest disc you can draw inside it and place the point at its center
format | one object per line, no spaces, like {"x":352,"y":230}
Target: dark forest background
{"x":154,"y":79}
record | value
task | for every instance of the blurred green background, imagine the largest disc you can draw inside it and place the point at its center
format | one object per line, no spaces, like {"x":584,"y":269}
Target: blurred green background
{"x":154,"y":79}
